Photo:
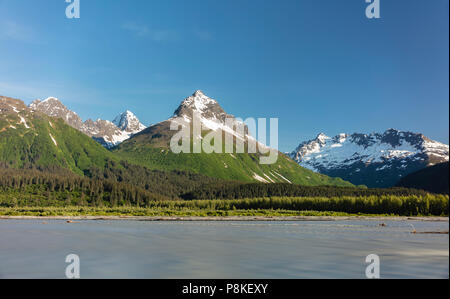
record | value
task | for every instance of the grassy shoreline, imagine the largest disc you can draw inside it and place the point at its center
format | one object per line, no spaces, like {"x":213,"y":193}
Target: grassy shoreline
{"x":387,"y":205}
{"x":161,"y":212}
{"x":135,"y":213}
{"x":75,"y":219}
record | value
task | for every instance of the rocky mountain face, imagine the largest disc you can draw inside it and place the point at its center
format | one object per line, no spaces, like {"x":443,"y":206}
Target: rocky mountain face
{"x":54,"y":108}
{"x":208,"y":111}
{"x":207,"y":108}
{"x":105,"y":132}
{"x":374,"y":160}
{"x":128,"y":122}
{"x":212,"y":116}
{"x":10,"y":105}
{"x":108,"y":133}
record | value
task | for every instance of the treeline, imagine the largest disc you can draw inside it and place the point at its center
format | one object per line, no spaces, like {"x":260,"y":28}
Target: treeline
{"x":412,"y":205}
{"x":115,"y":185}
{"x":167,"y":183}
{"x":33,"y":187}
{"x":126,"y":185}
{"x":428,"y":205}
{"x":232,"y":190}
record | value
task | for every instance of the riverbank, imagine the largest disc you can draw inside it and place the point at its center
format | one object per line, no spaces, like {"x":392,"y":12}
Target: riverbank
{"x":228,"y":218}
{"x":426,"y":205}
{"x":208,"y":212}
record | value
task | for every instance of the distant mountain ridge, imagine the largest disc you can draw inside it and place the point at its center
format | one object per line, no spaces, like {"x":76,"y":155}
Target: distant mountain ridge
{"x":107,"y":133}
{"x":374,"y":160}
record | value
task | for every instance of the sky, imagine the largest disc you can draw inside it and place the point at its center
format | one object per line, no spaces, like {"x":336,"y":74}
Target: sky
{"x":317,"y":65}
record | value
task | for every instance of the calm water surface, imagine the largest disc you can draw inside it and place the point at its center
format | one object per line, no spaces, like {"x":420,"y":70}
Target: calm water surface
{"x":135,"y":249}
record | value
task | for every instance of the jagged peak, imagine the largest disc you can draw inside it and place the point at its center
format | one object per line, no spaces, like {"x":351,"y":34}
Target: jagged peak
{"x":202,"y":104}
{"x":127,"y":115}
{"x":322,"y":137}
{"x":51,"y":99}
{"x":129,"y":122}
{"x":393,"y":131}
{"x":389,"y":132}
{"x":199,"y":93}
{"x":391,"y":139}
{"x":199,"y":101}
{"x":47,"y":101}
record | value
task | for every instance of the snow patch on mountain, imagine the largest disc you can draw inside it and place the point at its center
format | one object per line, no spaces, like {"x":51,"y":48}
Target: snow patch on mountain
{"x":53,"y":139}
{"x":24,"y":122}
{"x":259,"y":178}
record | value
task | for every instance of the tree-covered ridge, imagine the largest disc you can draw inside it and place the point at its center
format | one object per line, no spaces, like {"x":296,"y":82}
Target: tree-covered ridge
{"x":115,"y":185}
{"x":432,"y":179}
{"x":167,"y":183}
{"x":60,"y":187}
{"x":237,"y":190}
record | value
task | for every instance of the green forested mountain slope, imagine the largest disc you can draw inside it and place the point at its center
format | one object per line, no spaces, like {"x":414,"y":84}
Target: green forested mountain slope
{"x":151,"y":149}
{"x":30,"y":138}
{"x":33,"y":139}
{"x":242,"y":167}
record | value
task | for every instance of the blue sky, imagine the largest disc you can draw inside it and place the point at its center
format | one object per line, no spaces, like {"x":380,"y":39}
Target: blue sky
{"x":317,"y":65}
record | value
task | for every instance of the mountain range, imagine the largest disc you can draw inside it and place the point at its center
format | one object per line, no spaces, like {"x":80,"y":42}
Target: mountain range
{"x":374,"y":160}
{"x":151,"y":148}
{"x":107,"y":133}
{"x":47,"y":132}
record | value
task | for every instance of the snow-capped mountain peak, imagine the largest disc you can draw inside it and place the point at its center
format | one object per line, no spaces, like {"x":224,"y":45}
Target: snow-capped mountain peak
{"x":107,"y":133}
{"x":54,"y":108}
{"x":199,"y":101}
{"x":322,"y":138}
{"x":203,"y":105}
{"x":375,"y":160}
{"x":213,"y":117}
{"x":128,"y":122}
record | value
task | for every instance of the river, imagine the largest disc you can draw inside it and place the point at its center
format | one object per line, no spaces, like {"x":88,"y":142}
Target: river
{"x":303,"y":249}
